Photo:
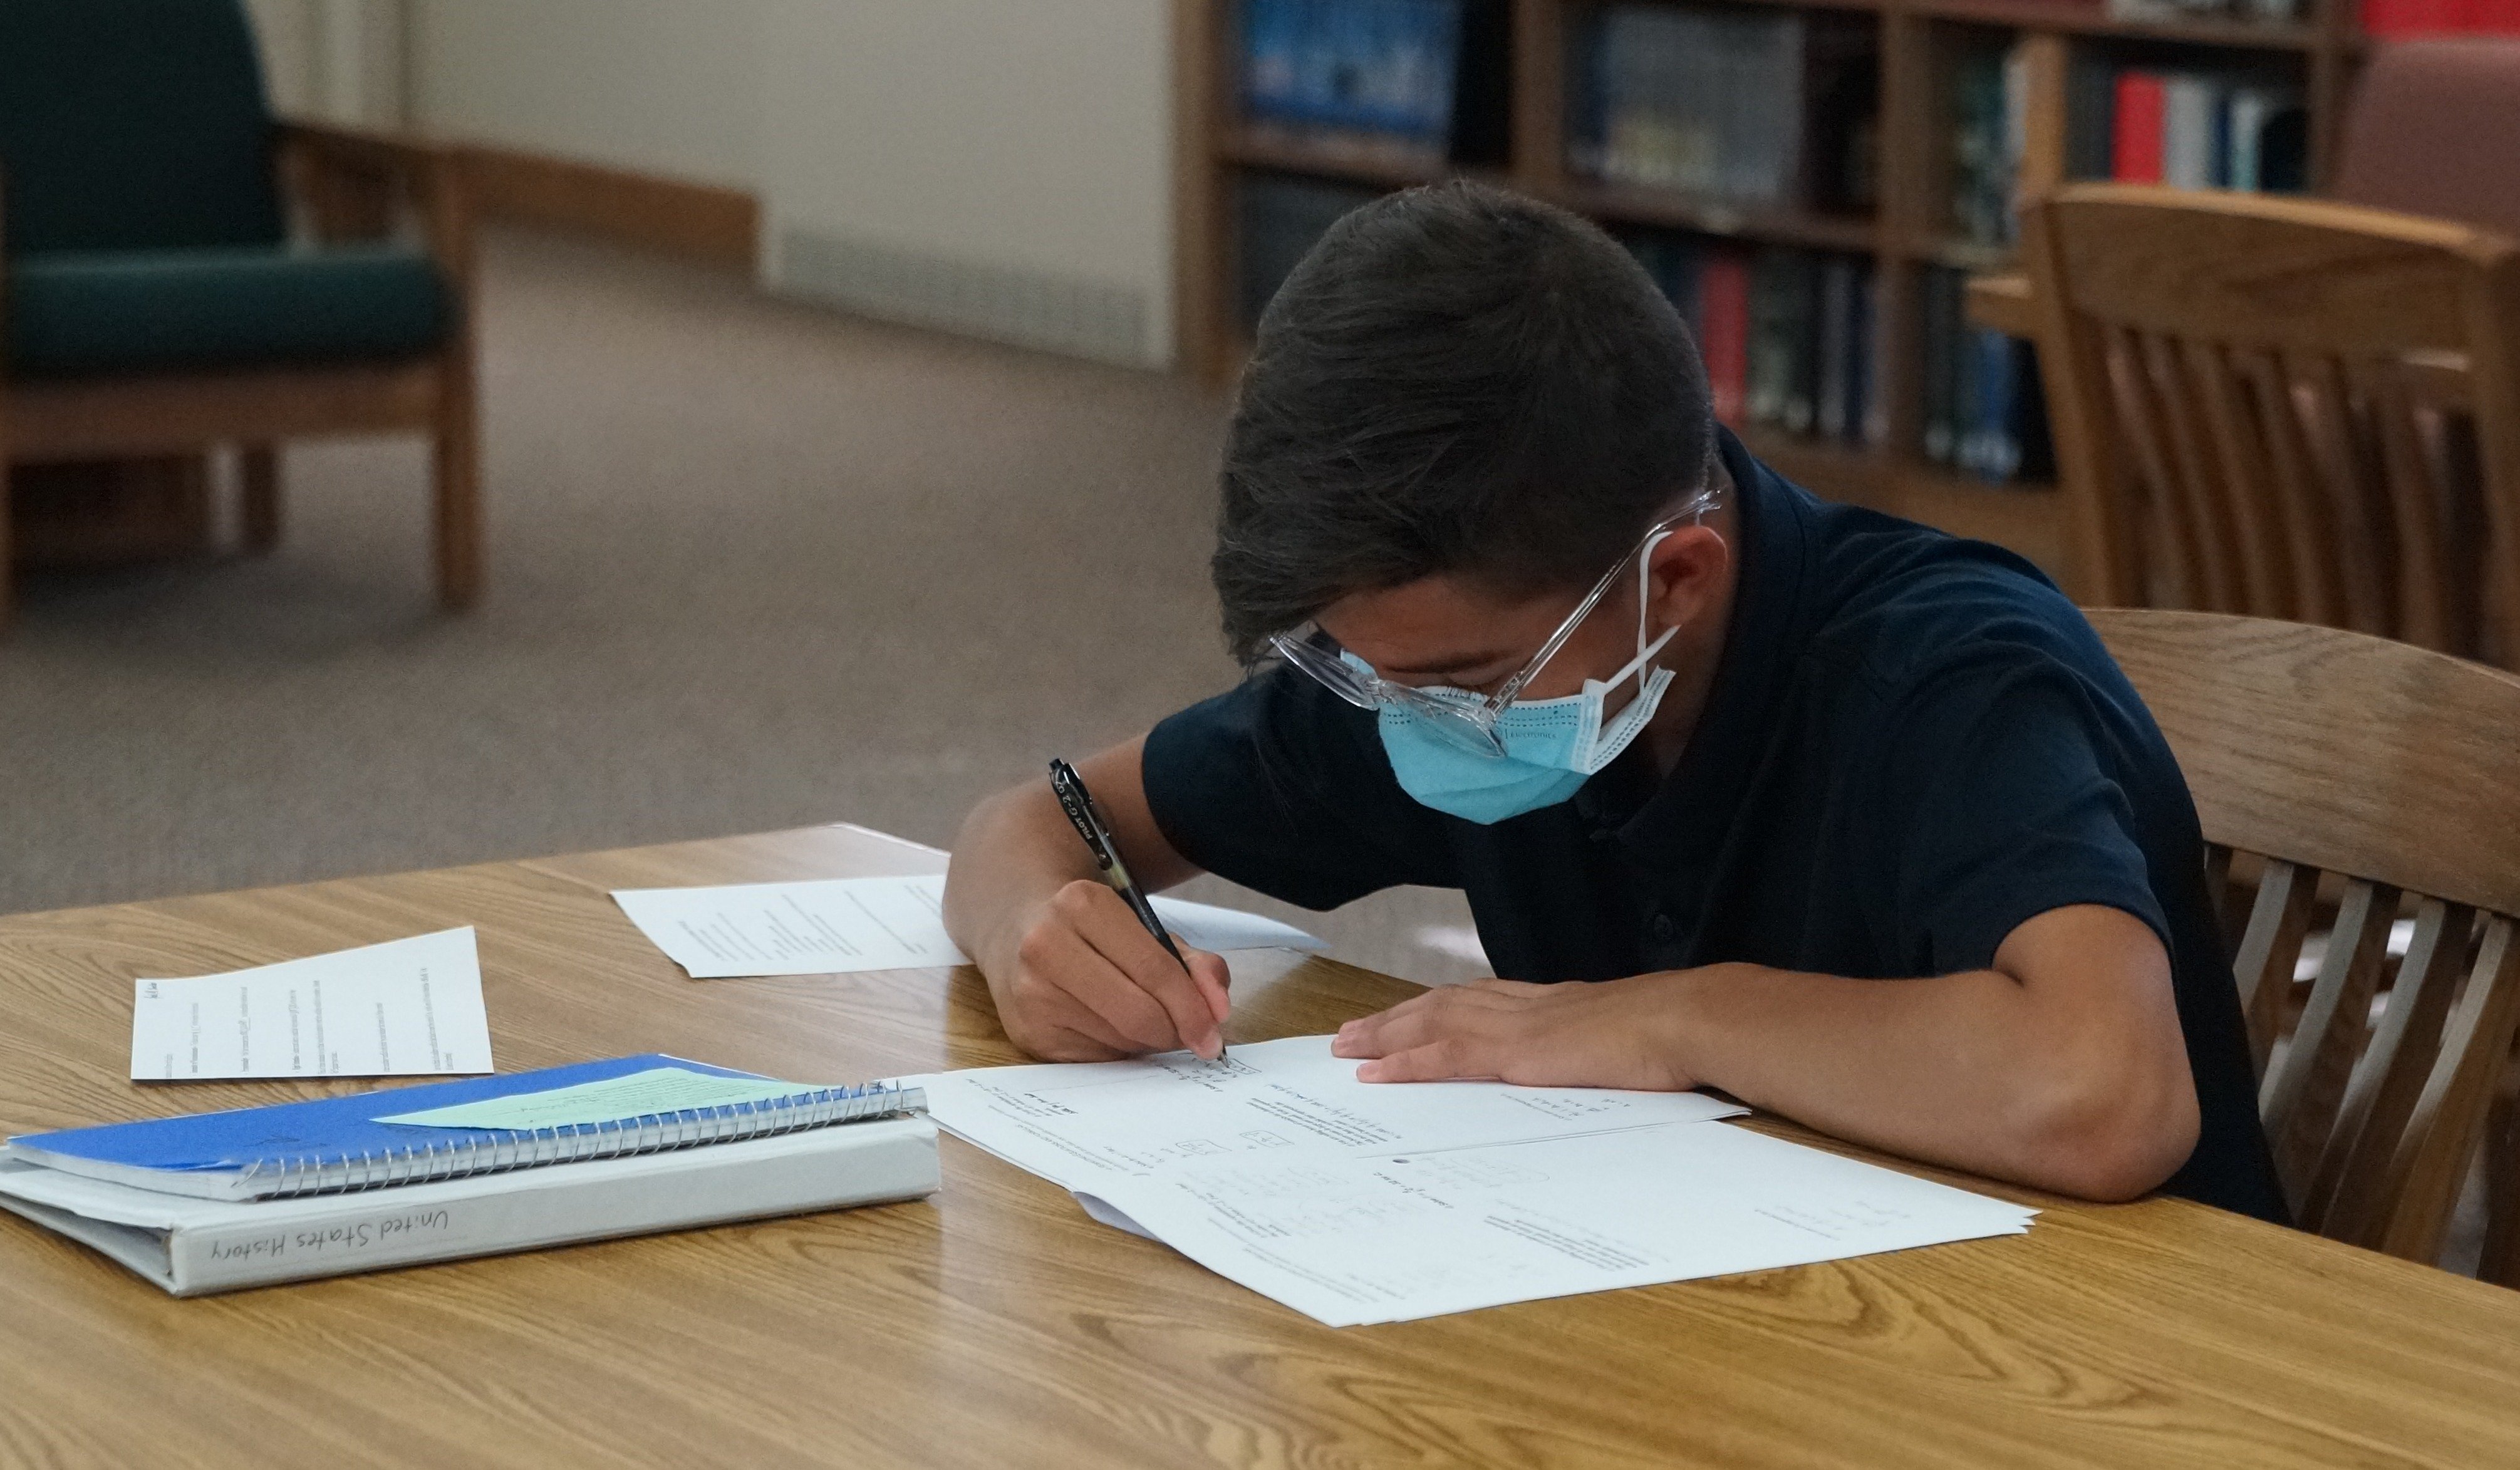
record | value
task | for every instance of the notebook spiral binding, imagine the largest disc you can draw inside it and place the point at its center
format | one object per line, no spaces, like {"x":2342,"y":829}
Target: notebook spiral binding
{"x":499,"y":1151}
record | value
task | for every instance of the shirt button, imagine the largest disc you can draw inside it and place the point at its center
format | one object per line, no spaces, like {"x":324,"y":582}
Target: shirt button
{"x":1662,"y":928}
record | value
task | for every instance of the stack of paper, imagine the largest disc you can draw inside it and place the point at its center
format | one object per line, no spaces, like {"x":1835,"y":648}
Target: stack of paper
{"x":838,"y":927}
{"x":1357,"y":1203}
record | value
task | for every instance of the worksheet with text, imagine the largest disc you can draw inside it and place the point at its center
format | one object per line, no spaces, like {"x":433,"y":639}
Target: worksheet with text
{"x":1356,"y":1240}
{"x":1077,"y":1123}
{"x":832,"y":926}
{"x":405,"y":1007}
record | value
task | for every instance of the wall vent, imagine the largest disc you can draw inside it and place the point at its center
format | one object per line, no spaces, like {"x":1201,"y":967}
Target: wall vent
{"x":1029,"y":308}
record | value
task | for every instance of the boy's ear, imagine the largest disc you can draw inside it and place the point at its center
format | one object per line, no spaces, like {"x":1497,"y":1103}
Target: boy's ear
{"x":1688,"y":569}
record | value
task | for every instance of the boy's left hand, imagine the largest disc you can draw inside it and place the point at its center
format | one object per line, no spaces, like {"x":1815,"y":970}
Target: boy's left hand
{"x":1612,"y":1033}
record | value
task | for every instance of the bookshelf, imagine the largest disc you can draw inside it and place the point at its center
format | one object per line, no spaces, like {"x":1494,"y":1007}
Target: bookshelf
{"x":1905,"y":232}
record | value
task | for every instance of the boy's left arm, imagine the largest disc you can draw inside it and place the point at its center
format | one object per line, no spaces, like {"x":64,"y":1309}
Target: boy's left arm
{"x":2061,"y":1066}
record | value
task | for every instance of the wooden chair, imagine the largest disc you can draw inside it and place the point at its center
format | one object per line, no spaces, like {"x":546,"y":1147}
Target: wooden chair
{"x":2389,"y":769}
{"x":2248,"y":395}
{"x":152,"y":301}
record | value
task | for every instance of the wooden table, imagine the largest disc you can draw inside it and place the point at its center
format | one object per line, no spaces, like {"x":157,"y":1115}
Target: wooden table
{"x":995,"y":1325}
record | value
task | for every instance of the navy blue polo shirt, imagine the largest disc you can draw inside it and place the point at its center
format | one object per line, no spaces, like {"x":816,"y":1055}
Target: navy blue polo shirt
{"x":1912,"y":744}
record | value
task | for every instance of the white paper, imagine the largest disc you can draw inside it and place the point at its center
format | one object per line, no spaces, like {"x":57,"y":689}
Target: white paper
{"x":1208,"y":927}
{"x":1081,"y":1124}
{"x":847,"y":925}
{"x":1356,"y":1240}
{"x":406,"y":1008}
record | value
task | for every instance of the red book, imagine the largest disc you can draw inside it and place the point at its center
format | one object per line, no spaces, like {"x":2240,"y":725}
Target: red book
{"x":2497,"y":17}
{"x":2395,"y":19}
{"x":1724,"y":312}
{"x":2135,"y":153}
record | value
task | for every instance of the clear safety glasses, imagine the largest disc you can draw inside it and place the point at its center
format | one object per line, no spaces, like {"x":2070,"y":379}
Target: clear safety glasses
{"x":1463,"y":720}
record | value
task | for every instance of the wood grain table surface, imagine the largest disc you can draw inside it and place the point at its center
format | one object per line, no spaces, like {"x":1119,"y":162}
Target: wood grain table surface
{"x":995,"y":1325}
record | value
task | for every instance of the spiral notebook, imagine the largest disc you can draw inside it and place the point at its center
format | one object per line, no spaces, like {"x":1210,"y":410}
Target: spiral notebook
{"x":354,"y":1143}
{"x":221,"y":1200}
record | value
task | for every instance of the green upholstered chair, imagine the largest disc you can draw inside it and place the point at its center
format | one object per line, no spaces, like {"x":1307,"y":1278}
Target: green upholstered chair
{"x":153,"y":297}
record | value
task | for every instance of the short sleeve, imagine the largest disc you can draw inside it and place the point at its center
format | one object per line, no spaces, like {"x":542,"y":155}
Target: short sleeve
{"x":1279,"y":785}
{"x":2005,"y":802}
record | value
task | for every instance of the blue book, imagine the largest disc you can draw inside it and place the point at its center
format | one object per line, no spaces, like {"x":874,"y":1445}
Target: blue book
{"x":1384,"y":67}
{"x":1997,"y":450}
{"x":1860,"y":348}
{"x":339,"y":1142}
{"x":1272,"y":40}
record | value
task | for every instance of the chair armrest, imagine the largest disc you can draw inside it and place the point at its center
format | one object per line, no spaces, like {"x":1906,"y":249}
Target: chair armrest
{"x":351,"y":179}
{"x":363,"y":150}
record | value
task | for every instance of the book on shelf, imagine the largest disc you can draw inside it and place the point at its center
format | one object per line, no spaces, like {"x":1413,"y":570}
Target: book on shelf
{"x":2400,"y":19}
{"x":1279,"y":217}
{"x":1678,"y":268}
{"x":1788,"y":337}
{"x":1784,"y":329}
{"x":1939,"y":318}
{"x":2137,"y":147}
{"x":1750,"y":106}
{"x":2187,"y":128}
{"x":2173,"y":11}
{"x":1989,"y":106}
{"x":1871,"y":400}
{"x":1835,"y":351}
{"x":1983,"y":410}
{"x":1724,"y":342}
{"x":1379,"y":74}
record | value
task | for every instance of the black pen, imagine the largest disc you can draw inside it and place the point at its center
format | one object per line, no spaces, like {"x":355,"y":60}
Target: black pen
{"x":1081,"y":809}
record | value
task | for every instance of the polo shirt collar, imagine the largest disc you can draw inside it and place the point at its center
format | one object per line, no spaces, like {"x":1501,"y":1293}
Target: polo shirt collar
{"x":1683,"y":820}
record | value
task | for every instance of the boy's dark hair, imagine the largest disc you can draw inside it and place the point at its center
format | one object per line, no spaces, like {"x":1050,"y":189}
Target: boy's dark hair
{"x":1460,"y":379}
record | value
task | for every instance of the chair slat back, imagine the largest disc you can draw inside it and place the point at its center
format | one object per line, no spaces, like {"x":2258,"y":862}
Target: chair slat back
{"x":2388,"y":772}
{"x":2285,"y":408}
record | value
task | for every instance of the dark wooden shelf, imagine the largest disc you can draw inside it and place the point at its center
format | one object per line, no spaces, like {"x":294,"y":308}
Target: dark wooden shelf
{"x":2002,"y":303}
{"x":1358,"y":162}
{"x":2095,"y":20}
{"x":1774,"y":223}
{"x":1330,"y":156}
{"x":1961,"y":254}
{"x":1911,"y":233}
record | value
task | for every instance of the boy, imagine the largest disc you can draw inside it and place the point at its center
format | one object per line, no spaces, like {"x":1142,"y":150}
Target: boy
{"x":1837,"y":814}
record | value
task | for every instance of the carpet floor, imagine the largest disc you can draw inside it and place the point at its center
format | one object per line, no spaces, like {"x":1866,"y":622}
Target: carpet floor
{"x":752,"y":566}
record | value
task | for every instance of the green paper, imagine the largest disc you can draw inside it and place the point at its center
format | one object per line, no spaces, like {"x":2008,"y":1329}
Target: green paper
{"x":615,"y":1099}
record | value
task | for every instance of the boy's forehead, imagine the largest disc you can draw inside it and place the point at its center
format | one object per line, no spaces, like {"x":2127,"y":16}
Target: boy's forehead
{"x":1440,"y":623}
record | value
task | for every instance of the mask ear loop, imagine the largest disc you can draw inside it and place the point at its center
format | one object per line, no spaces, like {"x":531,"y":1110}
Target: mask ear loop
{"x":1644,"y":595}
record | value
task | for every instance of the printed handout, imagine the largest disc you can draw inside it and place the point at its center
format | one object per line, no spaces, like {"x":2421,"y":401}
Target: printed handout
{"x":847,"y":925}
{"x":1359,"y":1202}
{"x":1078,"y":1124}
{"x":405,"y":1007}
{"x":1356,"y":1240}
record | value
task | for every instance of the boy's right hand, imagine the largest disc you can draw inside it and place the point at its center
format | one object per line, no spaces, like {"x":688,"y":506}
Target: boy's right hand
{"x":1088,"y":983}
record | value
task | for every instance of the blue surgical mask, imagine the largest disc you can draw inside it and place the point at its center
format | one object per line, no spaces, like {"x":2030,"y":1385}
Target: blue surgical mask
{"x":1550,"y":746}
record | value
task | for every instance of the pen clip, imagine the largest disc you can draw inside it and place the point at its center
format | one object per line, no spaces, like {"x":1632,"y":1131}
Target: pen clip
{"x":1079,"y":805}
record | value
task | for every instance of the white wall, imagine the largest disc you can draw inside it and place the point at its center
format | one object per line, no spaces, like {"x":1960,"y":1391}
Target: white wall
{"x":667,"y":87}
{"x":343,"y":61}
{"x":998,"y":166}
{"x":1028,"y":140}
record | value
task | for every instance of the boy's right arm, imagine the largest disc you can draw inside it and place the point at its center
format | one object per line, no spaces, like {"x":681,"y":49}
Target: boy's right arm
{"x":1074,"y":976}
